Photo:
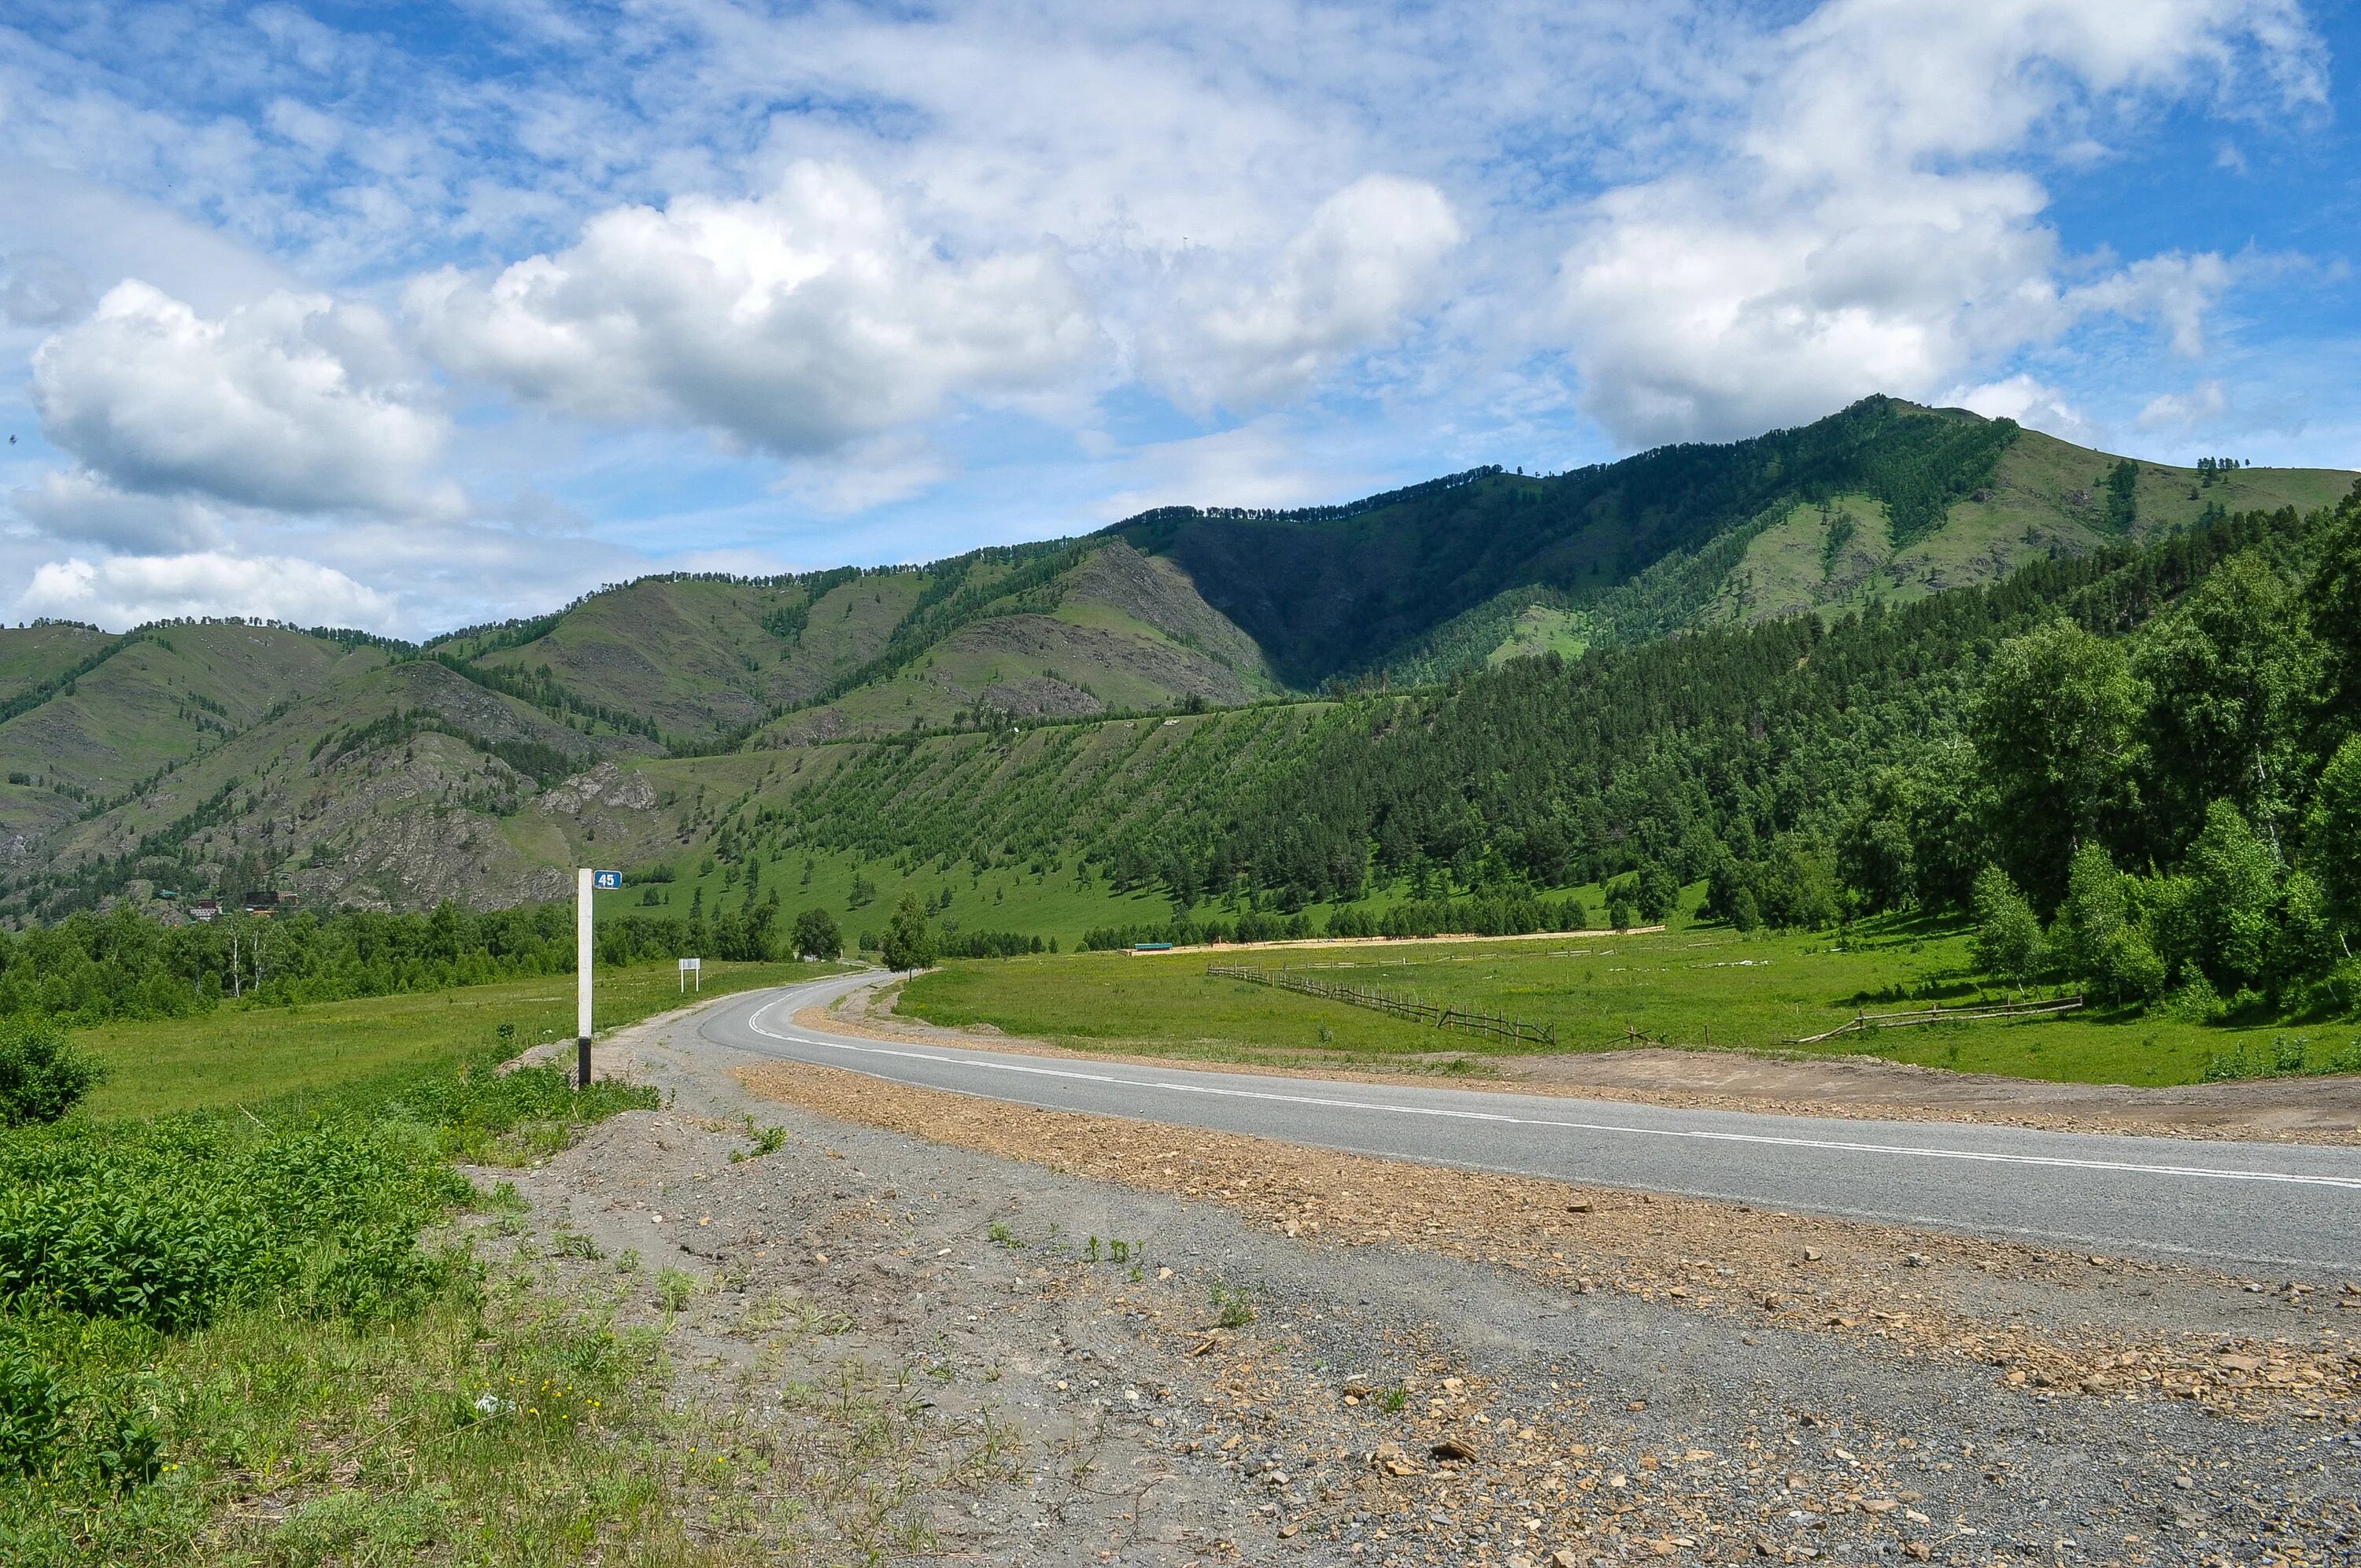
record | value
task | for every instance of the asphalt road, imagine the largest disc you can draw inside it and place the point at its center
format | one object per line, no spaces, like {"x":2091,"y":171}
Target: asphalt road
{"x":2251,"y":1206}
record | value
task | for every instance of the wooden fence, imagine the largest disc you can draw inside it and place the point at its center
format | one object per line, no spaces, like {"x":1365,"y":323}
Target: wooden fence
{"x":1467,"y":1020}
{"x":1865,"y":1022}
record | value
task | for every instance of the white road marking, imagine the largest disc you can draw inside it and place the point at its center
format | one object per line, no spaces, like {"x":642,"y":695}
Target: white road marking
{"x":2201,"y":1172}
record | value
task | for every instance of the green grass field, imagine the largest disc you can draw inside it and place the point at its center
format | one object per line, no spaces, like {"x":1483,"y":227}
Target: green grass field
{"x":1050,"y":904}
{"x":1693,"y":986}
{"x":249,"y":1057}
{"x":467,"y":1414}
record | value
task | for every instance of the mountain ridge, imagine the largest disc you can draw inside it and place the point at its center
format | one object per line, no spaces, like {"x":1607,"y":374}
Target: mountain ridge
{"x":118,"y":747}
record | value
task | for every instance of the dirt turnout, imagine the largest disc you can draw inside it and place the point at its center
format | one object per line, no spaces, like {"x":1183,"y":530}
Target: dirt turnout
{"x":1957,"y":1296}
{"x":2287,"y":1110}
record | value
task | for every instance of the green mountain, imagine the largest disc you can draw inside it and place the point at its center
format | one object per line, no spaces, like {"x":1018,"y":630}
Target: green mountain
{"x":1883,"y":502}
{"x":1028,"y":702}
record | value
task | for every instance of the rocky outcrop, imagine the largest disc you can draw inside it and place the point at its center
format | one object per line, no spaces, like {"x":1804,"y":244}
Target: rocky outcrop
{"x":605,"y":785}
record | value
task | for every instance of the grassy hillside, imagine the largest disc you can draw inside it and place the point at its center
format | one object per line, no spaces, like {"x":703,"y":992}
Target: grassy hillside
{"x":396,"y":787}
{"x":1815,"y":541}
{"x":33,"y":657}
{"x":634,"y":725}
{"x":1112,"y":630}
{"x":701,"y":660}
{"x":2043,"y":498}
{"x":151,"y":703}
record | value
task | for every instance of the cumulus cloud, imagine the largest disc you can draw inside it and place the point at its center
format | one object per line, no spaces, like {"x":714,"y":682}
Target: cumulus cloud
{"x":874,"y":472}
{"x":1371,"y":255}
{"x":126,"y":590}
{"x":2202,"y":404}
{"x":294,"y":403}
{"x":77,"y":506}
{"x":1858,"y":238}
{"x":1259,"y":463}
{"x":2174,"y":291}
{"x":797,"y":322}
{"x":2029,"y":401}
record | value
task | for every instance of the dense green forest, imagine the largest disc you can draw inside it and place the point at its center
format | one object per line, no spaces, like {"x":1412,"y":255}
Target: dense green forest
{"x":1330,"y":591}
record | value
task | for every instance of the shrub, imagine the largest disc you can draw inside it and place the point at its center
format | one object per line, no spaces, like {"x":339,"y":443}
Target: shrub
{"x":1655,"y":892}
{"x":2008,"y":934}
{"x":32,"y":1410}
{"x":2097,"y":936}
{"x":2333,"y":831}
{"x":41,"y":1077}
{"x":909,"y":941}
{"x":818,"y":936}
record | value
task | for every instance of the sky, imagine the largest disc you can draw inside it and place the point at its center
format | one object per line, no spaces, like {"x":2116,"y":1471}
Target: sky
{"x":415,"y":316}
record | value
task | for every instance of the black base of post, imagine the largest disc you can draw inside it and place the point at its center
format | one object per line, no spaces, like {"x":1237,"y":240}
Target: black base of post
{"x":582,"y":1063}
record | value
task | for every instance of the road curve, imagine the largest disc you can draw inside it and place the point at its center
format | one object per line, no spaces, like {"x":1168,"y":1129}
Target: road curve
{"x":2249,"y":1206}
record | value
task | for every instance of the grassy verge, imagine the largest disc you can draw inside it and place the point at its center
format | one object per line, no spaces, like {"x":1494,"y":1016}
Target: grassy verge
{"x":249,"y":1055}
{"x":222,"y":1339}
{"x":1692,"y":987}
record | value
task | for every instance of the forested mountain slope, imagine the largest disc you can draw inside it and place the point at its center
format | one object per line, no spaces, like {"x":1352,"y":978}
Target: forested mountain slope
{"x":91,"y":729}
{"x":1884,"y":501}
{"x":629,"y":725}
{"x":405,"y":785}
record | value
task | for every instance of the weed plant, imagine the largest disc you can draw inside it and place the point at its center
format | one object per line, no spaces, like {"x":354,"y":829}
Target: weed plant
{"x":180,"y":1296}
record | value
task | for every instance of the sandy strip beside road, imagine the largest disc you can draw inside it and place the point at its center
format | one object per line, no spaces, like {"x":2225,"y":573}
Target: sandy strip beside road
{"x":2039,"y":1317}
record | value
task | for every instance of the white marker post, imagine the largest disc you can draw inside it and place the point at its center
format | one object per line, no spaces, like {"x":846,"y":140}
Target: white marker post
{"x":584,"y":881}
{"x":692,"y":967}
{"x":582,"y":977}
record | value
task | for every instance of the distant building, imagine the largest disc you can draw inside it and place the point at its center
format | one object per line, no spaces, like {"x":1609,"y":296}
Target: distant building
{"x":205,"y":909}
{"x":261,"y":905}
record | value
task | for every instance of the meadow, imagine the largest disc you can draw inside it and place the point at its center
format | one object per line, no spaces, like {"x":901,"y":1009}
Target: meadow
{"x":1693,"y":986}
{"x":861,"y":891}
{"x":250,"y":1056}
{"x":234,"y":1329}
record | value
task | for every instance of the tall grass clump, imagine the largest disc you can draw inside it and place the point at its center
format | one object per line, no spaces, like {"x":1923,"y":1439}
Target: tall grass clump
{"x":170,"y":1288}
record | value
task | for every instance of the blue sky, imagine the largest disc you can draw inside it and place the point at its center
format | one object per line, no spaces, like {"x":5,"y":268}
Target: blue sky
{"x":413,"y":315}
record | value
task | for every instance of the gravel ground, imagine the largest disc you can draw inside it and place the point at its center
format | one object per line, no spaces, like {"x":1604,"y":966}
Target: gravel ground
{"x":1222,"y":1391}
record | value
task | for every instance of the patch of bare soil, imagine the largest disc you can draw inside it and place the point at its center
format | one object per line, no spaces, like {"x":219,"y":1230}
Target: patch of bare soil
{"x":2038,"y":1317}
{"x":2289,"y":1109}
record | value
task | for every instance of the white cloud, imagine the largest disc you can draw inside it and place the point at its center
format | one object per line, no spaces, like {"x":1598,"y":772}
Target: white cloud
{"x":1371,"y":255}
{"x":798,"y":322}
{"x":2029,"y":401}
{"x":1261,"y":463}
{"x":2175,"y":291}
{"x":294,"y":402}
{"x":874,"y":472}
{"x":79,"y":508}
{"x":1858,"y":238}
{"x":2204,"y":403}
{"x":126,"y":590}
